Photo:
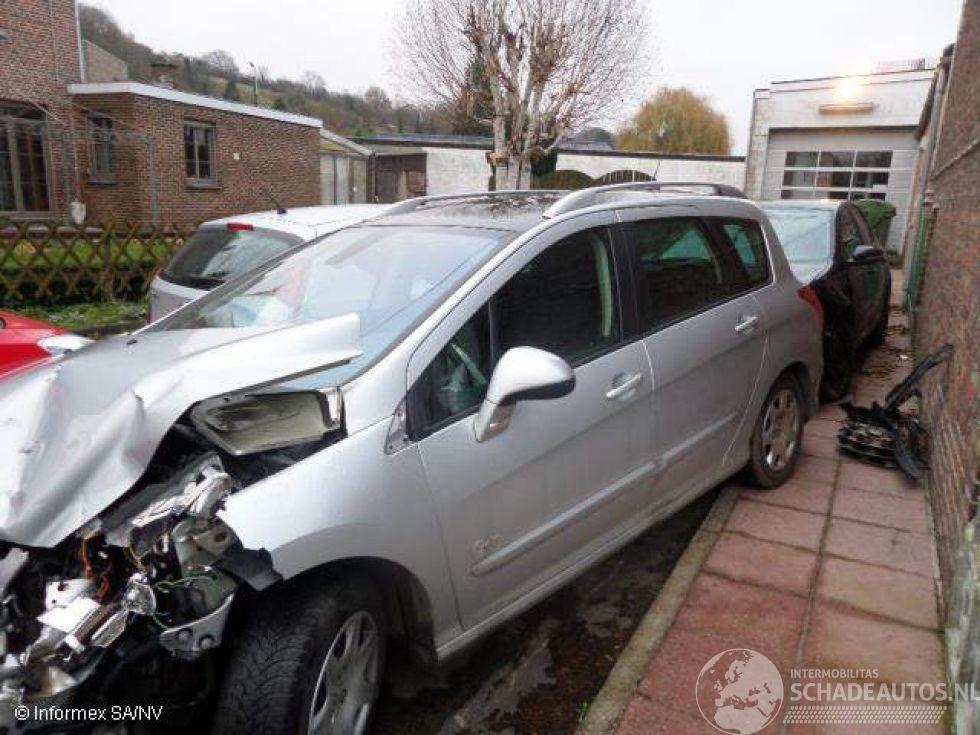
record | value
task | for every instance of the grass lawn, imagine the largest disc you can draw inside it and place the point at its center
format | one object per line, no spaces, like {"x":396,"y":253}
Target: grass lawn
{"x":91,"y":314}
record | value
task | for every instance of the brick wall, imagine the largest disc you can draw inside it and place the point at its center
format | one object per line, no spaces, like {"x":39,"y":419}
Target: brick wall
{"x":253,"y":156}
{"x":950,"y":305}
{"x":38,"y":59}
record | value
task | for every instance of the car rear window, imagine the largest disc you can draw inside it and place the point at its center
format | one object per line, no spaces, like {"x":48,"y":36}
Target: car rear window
{"x":805,"y":233}
{"x":214,"y":255}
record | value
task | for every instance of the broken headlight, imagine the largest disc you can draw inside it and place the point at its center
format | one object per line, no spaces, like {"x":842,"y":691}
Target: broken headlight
{"x":260,"y":422}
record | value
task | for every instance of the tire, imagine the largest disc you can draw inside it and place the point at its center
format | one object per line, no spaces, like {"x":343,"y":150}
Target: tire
{"x":880,"y":330}
{"x":784,"y":401}
{"x":272,"y":681}
{"x":840,"y":359}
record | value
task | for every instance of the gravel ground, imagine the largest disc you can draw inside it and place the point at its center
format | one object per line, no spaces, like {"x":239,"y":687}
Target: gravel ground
{"x":539,"y":673}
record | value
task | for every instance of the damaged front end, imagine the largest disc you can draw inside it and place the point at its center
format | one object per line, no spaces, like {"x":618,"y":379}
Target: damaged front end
{"x":130,"y":606}
{"x":127,"y":605}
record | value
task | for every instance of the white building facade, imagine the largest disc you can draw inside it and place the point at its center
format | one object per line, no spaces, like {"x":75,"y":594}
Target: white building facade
{"x":458,"y":166}
{"x":840,"y":138}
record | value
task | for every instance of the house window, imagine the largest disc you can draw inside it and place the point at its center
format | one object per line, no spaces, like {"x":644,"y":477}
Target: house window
{"x":102,"y":152}
{"x":850,"y":175}
{"x":199,"y":153}
{"x":23,"y":161}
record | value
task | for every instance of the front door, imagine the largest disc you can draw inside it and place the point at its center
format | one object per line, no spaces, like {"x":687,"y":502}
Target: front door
{"x":705,"y":336}
{"x":568,"y":475}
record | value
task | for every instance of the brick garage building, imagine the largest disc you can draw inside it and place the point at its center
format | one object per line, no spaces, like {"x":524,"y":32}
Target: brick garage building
{"x":131,"y":152}
{"x":178,"y":158}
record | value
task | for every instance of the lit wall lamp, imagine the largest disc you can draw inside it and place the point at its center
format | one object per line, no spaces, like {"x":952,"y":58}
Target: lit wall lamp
{"x":845,"y":108}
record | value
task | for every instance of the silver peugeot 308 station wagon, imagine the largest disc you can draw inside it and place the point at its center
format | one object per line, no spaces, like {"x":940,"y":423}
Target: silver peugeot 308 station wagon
{"x":405,"y":432}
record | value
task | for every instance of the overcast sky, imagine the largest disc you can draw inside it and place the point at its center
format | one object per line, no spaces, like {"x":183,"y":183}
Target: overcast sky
{"x":720,"y":48}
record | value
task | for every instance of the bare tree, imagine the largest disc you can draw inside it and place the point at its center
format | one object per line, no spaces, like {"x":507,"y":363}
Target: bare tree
{"x":546,"y":67}
{"x":314,"y":83}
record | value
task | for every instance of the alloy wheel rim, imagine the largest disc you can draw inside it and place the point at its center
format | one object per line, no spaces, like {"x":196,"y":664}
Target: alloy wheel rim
{"x":780,"y":430}
{"x":348,"y":678}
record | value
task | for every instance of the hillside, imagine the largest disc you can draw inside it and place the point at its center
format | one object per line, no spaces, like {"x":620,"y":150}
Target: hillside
{"x":216,"y":74}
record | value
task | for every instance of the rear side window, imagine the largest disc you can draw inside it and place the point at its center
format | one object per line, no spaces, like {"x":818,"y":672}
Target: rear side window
{"x":214,"y":255}
{"x":681,"y":269}
{"x":749,"y":246}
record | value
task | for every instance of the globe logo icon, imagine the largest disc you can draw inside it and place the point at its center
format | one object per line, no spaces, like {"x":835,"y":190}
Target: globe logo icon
{"x":739,"y":691}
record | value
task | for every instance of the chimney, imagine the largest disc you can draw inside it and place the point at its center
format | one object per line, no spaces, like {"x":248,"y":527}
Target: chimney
{"x":162,"y":71}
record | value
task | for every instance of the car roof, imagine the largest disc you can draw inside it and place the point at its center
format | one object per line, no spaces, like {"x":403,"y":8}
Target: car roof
{"x":303,"y":221}
{"x":827,"y":204}
{"x":513,"y":211}
{"x":519,"y":211}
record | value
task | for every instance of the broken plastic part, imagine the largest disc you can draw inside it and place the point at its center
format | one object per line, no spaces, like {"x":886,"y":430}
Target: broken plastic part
{"x":247,"y":424}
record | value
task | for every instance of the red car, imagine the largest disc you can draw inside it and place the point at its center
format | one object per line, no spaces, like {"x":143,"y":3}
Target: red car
{"x":26,"y":341}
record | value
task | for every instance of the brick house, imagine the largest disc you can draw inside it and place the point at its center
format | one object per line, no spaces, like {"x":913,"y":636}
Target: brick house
{"x":72,"y":131}
{"x":943,"y":297}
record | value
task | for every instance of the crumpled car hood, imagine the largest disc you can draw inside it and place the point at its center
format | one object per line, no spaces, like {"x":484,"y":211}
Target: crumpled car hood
{"x":77,"y":433}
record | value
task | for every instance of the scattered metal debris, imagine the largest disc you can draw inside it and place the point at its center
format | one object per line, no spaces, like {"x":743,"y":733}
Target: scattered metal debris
{"x":888,"y":435}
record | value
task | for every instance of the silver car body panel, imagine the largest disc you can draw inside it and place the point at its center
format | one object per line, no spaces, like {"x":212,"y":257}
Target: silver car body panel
{"x":486,"y":529}
{"x":79,"y":431}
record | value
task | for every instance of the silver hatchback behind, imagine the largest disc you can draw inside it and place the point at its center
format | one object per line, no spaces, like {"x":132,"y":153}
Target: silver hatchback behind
{"x":401,"y":434}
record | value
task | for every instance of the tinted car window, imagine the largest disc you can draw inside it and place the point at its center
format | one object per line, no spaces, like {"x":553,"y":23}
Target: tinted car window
{"x":848,"y":235}
{"x":749,"y":245}
{"x":681,"y":269}
{"x":213,"y":255}
{"x":456,"y":380}
{"x":564,"y":301}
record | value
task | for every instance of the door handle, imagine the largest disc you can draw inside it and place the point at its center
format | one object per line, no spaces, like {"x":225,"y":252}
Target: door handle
{"x":746,"y":324}
{"x":629,"y":383}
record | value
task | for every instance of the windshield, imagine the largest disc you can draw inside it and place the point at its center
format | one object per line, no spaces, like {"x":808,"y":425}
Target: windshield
{"x":389,"y":276}
{"x":806,"y":234}
{"x":213,"y":255}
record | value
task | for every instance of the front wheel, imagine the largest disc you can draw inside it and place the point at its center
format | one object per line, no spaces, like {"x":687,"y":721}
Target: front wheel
{"x":308,"y":660}
{"x":777,"y":435}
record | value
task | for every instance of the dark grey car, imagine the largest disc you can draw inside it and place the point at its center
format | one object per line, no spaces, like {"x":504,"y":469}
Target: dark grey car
{"x":831,"y":248}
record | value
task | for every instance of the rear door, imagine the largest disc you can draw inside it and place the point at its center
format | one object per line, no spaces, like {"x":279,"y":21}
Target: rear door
{"x":704,"y":332}
{"x":567,"y":476}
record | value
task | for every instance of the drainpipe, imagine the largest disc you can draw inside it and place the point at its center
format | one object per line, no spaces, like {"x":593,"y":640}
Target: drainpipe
{"x":935,"y":114}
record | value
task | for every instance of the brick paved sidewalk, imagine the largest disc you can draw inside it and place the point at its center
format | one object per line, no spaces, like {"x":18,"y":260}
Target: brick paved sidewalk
{"x":833,"y":570}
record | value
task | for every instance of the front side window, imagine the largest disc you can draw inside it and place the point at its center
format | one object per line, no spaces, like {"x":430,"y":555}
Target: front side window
{"x":102,"y":165}
{"x":199,"y":152}
{"x":456,"y":381}
{"x":565,"y":301}
{"x":848,"y":235}
{"x":681,"y":270}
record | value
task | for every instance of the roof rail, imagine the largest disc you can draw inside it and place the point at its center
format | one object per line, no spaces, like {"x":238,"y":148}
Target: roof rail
{"x":410,"y":205}
{"x":589,"y":197}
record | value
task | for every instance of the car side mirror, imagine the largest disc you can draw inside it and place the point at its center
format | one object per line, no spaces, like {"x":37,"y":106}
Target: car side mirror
{"x":522,"y":374}
{"x":867,"y":254}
